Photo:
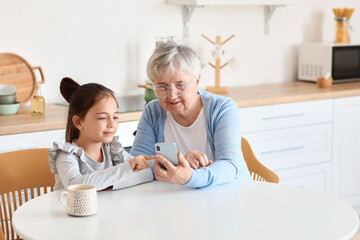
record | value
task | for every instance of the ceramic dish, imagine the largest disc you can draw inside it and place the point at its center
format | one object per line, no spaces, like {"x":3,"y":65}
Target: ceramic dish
{"x":8,"y":109}
{"x":8,"y":99}
{"x":6,"y":89}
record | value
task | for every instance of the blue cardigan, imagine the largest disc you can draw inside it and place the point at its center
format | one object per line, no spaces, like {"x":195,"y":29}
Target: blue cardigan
{"x":223,"y":132}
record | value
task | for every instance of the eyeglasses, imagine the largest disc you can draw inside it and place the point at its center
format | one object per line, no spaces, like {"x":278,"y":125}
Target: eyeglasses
{"x":181,"y":89}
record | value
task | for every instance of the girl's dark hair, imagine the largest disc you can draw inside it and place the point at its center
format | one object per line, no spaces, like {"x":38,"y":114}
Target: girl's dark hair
{"x":81,"y":99}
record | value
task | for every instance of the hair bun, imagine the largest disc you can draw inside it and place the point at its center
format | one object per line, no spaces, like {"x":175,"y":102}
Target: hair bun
{"x":67,"y":88}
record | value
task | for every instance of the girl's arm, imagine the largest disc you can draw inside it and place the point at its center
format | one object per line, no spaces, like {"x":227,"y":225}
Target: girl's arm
{"x":119,"y":176}
{"x":146,"y":135}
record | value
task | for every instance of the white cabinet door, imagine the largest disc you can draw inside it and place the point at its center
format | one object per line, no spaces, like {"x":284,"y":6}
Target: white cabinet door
{"x":42,"y":139}
{"x":346,"y":167}
{"x":126,"y":132}
{"x":315,"y":177}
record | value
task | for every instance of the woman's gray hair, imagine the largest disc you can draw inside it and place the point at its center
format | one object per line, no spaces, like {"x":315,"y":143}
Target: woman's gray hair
{"x":170,"y":57}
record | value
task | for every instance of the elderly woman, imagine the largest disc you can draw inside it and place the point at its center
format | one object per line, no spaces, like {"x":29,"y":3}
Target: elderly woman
{"x":205,"y":126}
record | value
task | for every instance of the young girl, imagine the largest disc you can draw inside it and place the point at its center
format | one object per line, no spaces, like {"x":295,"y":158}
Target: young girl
{"x":91,"y":153}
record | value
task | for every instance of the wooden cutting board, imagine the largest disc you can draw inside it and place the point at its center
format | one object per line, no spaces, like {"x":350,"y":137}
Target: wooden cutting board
{"x":16,"y":71}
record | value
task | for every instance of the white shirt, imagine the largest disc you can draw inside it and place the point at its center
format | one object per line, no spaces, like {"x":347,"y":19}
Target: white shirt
{"x":189,"y":138}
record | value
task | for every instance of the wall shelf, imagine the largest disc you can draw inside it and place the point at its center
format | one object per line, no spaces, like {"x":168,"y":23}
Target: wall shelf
{"x":190,"y":5}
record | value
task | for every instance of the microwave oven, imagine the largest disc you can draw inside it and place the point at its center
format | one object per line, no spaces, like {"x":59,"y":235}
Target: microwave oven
{"x":342,"y":61}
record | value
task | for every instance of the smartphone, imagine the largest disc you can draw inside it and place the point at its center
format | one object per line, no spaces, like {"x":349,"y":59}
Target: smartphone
{"x":169,"y":151}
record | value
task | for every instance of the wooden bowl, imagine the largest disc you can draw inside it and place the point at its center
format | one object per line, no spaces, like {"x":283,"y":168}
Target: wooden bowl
{"x":324,"y":82}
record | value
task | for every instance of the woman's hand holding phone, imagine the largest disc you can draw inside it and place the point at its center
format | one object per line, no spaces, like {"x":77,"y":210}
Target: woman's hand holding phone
{"x":172,"y":174}
{"x":169,"y":151}
{"x":140,"y":162}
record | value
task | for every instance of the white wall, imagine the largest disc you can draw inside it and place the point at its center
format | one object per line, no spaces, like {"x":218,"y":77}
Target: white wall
{"x":110,"y":41}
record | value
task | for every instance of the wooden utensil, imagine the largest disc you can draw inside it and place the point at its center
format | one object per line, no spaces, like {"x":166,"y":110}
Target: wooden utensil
{"x":16,"y":71}
{"x":147,"y":86}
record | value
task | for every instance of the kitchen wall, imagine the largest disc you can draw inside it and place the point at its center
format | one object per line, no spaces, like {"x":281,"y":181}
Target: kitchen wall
{"x":110,"y":41}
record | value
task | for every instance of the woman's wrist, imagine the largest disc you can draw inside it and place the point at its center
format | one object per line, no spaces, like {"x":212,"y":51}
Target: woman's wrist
{"x":188,"y":177}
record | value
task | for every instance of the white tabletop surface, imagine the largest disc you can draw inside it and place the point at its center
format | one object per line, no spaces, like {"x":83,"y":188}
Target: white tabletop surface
{"x":156,"y":210}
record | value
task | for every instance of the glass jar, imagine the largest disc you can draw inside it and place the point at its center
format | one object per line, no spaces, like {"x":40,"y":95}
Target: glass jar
{"x":37,"y":105}
{"x":342,"y":30}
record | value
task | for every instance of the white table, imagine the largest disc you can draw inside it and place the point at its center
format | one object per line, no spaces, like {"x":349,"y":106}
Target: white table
{"x":156,"y":210}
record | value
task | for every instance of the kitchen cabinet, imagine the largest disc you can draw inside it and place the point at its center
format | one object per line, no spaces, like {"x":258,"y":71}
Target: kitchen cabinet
{"x":126,"y":133}
{"x":293,"y":147}
{"x":280,"y":116}
{"x":346,"y":154}
{"x":45,"y":139}
{"x":294,"y":140}
{"x":42,"y":139}
{"x":316,"y":177}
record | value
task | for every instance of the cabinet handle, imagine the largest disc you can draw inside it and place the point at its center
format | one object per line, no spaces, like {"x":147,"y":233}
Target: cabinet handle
{"x":283,"y":116}
{"x":283,"y":150}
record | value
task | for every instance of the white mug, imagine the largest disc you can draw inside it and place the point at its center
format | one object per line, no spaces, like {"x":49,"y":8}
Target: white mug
{"x":81,"y":200}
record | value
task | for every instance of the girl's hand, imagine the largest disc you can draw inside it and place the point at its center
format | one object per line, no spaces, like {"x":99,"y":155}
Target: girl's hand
{"x":140,"y":162}
{"x":197,"y":159}
{"x":172,"y":174}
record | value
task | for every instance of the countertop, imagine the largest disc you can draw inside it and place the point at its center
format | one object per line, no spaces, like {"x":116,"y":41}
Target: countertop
{"x":245,"y":96}
{"x":287,"y":92}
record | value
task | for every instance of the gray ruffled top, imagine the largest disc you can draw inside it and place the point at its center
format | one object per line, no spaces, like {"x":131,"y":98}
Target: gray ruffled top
{"x":71,"y":165}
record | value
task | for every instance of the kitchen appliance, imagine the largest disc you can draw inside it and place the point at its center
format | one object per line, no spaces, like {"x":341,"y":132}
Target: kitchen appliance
{"x":149,"y":92}
{"x":342,"y":61}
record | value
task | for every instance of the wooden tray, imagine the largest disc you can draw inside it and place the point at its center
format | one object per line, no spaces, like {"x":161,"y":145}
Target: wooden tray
{"x":16,"y":71}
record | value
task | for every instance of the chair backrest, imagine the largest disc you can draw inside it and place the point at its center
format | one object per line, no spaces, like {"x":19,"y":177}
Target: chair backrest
{"x":2,"y":236}
{"x":258,"y":171}
{"x":24,"y":174}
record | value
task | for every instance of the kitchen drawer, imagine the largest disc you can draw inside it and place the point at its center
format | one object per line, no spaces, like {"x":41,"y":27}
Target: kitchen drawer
{"x":316,"y":177}
{"x":255,"y":119}
{"x":42,"y":139}
{"x":293,"y":147}
{"x":126,"y":132}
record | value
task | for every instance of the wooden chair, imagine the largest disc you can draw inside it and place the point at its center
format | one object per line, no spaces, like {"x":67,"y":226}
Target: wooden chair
{"x":258,"y":171}
{"x":24,"y":174}
{"x":2,"y":236}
